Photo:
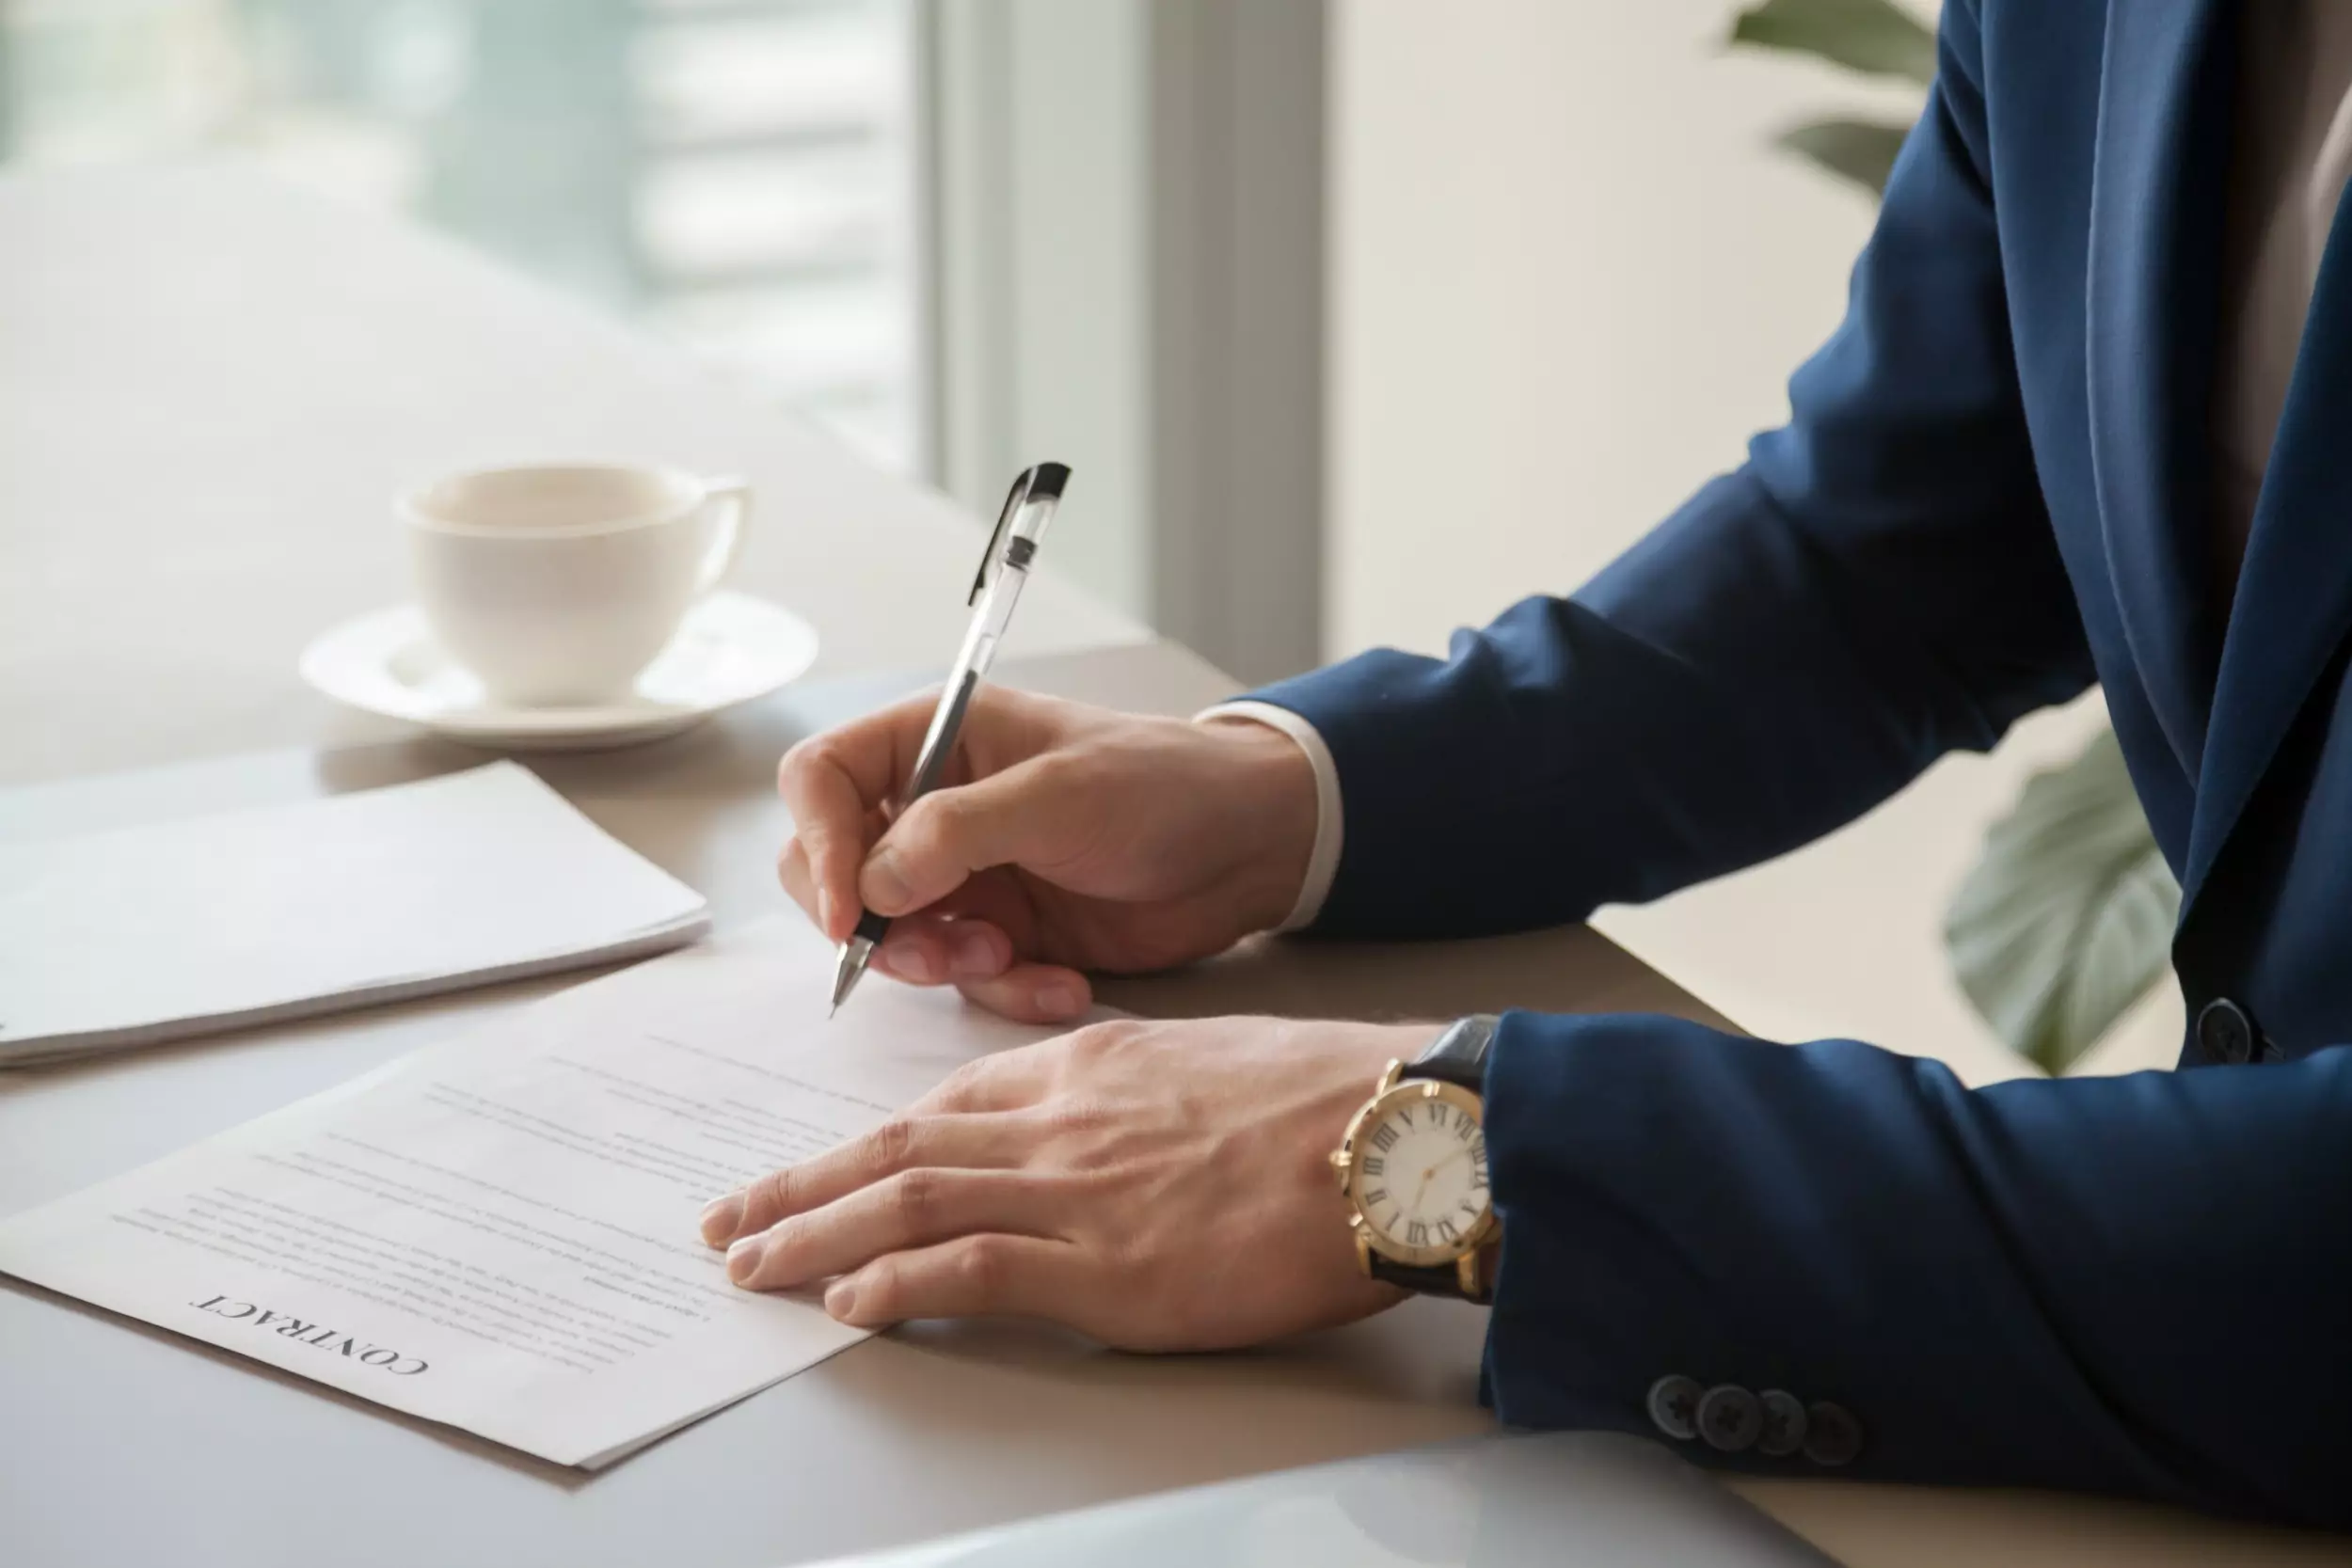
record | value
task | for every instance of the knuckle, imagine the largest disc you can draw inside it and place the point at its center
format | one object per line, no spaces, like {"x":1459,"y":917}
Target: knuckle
{"x":1065,"y":769}
{"x":1133,"y":1256}
{"x":773,"y":1191}
{"x":799,"y":761}
{"x":1009,"y":707}
{"x":1101,"y":1039}
{"x":979,"y":1264}
{"x":784,"y":1237}
{"x":915,"y":1196}
{"x":939,"y":820}
{"x":890,"y":1146}
{"x":961,"y":1088}
{"x":1076,"y":1115}
{"x":915,"y":712}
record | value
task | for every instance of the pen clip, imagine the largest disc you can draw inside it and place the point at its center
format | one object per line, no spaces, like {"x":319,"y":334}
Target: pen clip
{"x":1041,"y":482}
{"x":1013,"y":499}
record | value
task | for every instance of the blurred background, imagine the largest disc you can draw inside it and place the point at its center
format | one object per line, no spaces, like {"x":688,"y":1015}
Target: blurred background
{"x":737,"y":175}
{"x":1361,"y":319}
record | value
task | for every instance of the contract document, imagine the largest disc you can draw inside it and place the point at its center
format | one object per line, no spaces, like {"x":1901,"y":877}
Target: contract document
{"x":500,"y":1232}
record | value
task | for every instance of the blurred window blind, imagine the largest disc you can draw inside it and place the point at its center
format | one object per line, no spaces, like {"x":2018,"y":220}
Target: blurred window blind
{"x":737,"y":174}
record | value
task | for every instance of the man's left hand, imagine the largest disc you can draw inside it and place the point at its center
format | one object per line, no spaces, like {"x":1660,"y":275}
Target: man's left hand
{"x":1158,"y":1186}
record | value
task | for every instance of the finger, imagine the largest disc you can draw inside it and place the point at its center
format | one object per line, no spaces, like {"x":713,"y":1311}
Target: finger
{"x":1021,"y":816}
{"x":1032,"y":994}
{"x":827,"y":813}
{"x":986,"y":1274}
{"x":799,"y":881}
{"x":912,"y":1209}
{"x":877,"y":752}
{"x":832,"y":784}
{"x":929,"y":950}
{"x":902,"y":1143}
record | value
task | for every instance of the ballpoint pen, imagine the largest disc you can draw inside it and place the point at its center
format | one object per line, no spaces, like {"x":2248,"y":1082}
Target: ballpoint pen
{"x":1029,"y":508}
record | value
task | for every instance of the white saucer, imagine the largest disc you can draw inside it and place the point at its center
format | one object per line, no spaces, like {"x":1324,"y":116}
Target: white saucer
{"x":730,"y":649}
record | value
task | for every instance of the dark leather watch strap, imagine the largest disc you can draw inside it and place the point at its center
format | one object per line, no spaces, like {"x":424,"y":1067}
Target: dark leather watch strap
{"x":1459,"y":1054}
{"x":1443,"y":1280}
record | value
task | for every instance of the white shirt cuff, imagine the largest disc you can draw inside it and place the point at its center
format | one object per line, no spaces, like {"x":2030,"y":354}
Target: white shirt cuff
{"x":1323,"y":861}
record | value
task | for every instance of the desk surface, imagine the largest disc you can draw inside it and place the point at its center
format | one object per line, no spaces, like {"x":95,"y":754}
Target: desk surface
{"x":207,"y":386}
{"x":211,"y":387}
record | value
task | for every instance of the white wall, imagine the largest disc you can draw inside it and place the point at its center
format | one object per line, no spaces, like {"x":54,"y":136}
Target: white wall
{"x":1570,"y":278}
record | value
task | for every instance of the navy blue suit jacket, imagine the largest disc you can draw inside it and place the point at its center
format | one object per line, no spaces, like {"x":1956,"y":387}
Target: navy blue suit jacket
{"x":1992,"y":493}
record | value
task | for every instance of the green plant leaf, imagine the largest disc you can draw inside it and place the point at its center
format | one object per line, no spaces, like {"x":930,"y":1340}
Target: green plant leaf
{"x":1853,"y":149}
{"x":2067,"y":920}
{"x":1875,"y":37}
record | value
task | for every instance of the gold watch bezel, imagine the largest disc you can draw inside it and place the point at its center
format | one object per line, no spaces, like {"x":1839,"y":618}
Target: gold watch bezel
{"x":1388,"y":1093}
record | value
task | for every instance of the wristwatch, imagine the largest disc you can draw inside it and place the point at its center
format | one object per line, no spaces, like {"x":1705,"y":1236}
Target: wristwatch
{"x":1413,"y":1167}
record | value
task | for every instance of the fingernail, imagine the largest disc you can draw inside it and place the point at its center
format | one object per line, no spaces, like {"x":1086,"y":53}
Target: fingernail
{"x":722,"y":1217}
{"x":1058,"y":1002}
{"x":885,"y":885}
{"x":908,"y":961}
{"x":841,"y":1301}
{"x":975,"y":956}
{"x":824,"y":911}
{"x":743,"y":1258}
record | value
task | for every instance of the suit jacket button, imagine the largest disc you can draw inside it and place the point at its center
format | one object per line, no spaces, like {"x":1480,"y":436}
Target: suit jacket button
{"x":1730,"y":1418}
{"x":1674,"y":1406}
{"x":1784,"y":1423}
{"x":1832,"y":1436}
{"x":2225,"y":1033}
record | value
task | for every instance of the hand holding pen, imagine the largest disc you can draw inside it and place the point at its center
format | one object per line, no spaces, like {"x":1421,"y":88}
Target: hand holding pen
{"x":1029,"y":507}
{"x":1035,"y":840}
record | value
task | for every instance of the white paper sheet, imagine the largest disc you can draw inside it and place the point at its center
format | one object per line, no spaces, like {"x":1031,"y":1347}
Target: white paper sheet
{"x":150,"y":933}
{"x":500,"y":1232}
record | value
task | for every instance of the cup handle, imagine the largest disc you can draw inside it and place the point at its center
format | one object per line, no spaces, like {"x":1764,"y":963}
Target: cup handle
{"x":733,"y":498}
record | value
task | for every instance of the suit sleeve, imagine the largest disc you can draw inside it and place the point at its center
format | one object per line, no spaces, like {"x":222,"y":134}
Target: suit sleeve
{"x":2140,"y":1285}
{"x":2136,"y":1284}
{"x":1877,"y":584}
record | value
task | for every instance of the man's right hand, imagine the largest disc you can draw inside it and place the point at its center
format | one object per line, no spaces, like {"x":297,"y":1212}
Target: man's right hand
{"x":1065,"y":838}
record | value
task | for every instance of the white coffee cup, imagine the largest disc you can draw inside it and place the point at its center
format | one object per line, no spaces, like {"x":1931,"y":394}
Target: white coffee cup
{"x":555,"y":586}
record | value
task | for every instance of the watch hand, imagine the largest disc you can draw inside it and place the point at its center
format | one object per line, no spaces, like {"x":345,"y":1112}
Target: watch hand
{"x":1430,"y":1174}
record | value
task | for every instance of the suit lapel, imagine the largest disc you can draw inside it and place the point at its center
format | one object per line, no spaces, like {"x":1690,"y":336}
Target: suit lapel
{"x":2152,"y":296}
{"x":2293,"y":605}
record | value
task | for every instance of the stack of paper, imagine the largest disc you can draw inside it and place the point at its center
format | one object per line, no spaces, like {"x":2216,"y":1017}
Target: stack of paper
{"x":150,"y":933}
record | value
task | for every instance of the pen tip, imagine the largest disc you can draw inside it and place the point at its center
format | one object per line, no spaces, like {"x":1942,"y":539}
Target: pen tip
{"x":830,"y":1011}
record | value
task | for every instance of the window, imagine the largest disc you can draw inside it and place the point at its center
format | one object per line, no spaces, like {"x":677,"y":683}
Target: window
{"x":736,"y":174}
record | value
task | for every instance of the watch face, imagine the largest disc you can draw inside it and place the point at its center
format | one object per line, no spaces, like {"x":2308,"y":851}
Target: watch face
{"x":1417,"y":1171}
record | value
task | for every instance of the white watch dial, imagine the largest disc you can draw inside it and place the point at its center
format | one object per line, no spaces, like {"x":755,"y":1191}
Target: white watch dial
{"x":1420,"y":1174}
